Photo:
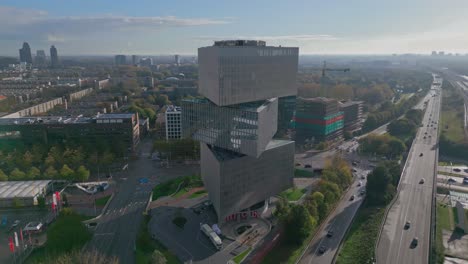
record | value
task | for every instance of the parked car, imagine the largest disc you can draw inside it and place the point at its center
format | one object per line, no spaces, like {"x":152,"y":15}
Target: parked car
{"x":307,"y":166}
{"x":451,"y":181}
{"x":15,"y":223}
{"x":465,"y":180}
{"x":421,"y":181}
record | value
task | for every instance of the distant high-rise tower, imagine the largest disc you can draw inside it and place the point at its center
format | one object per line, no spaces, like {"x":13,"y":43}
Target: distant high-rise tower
{"x":54,"y":61}
{"x":120,"y":60}
{"x":40,"y":58}
{"x":134,"y":59}
{"x":177,"y":59}
{"x":146,"y":62}
{"x":25,"y":53}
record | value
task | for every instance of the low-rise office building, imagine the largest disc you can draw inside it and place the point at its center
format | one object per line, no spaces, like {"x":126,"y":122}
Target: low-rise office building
{"x":352,"y":113}
{"x":318,"y":119}
{"x":121,"y":128}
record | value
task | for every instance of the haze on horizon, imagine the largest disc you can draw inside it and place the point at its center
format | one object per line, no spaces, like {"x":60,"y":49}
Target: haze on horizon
{"x":108,"y":27}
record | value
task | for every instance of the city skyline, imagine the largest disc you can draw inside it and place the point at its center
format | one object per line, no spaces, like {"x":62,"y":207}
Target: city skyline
{"x":179,"y":27}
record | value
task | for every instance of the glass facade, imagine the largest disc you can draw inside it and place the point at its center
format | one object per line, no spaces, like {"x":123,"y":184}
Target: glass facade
{"x":236,"y":128}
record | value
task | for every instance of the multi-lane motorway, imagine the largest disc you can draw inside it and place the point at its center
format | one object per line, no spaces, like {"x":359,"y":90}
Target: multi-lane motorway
{"x":414,"y":202}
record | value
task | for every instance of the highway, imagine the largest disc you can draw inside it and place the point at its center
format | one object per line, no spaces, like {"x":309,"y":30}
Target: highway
{"x":414,"y":200}
{"x":338,"y":222}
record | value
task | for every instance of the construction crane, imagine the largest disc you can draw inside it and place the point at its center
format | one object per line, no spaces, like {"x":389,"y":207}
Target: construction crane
{"x":324,"y":69}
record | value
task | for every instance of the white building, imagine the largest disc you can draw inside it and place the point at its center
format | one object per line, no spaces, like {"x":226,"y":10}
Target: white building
{"x":173,"y":122}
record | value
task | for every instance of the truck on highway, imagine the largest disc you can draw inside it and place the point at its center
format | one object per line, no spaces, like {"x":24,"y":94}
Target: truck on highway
{"x":214,"y":238}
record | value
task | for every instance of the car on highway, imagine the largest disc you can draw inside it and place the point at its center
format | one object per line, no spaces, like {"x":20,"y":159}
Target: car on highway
{"x":414,"y":243}
{"x":451,"y":180}
{"x":362,"y":192}
{"x":420,"y":155}
{"x":359,"y":184}
{"x":407,"y":225}
{"x":421,"y":181}
{"x":330,"y":233}
{"x":322,"y":249}
{"x":354,"y":163}
{"x":424,"y":137}
{"x":354,"y":170}
{"x":298,"y":164}
{"x":352,"y":197}
{"x":465,"y":180}
{"x":363,"y":177}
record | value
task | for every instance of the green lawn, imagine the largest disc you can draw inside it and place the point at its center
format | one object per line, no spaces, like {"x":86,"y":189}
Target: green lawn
{"x":66,"y":234}
{"x":444,"y":216}
{"x":181,"y":192}
{"x":241,"y":256}
{"x":452,"y":119}
{"x":293,"y":194}
{"x":197,"y":194}
{"x":145,"y":246}
{"x":298,"y":173}
{"x":102,"y":201}
{"x":358,"y":247}
{"x":169,"y":187}
{"x":445,"y":163}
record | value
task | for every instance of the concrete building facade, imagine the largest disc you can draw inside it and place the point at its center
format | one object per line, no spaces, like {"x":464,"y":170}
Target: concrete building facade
{"x":241,"y":164}
{"x":352,"y":115}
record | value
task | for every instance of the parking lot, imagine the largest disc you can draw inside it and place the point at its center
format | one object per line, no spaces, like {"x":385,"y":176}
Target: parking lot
{"x":24,"y":216}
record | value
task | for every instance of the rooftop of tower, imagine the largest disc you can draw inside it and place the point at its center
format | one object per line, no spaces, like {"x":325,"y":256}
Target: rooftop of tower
{"x":240,"y":42}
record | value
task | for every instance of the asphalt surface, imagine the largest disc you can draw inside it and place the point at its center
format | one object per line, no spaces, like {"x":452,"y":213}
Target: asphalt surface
{"x":115,"y":233}
{"x":415,"y":199}
{"x":338,"y":222}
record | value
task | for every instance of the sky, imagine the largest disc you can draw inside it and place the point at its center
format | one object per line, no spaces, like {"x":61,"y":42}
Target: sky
{"x":157,"y":27}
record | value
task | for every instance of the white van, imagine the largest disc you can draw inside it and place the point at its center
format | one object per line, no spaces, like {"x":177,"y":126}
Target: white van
{"x":214,"y":238}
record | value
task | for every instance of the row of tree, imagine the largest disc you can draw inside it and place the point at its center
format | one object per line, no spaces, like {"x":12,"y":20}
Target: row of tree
{"x":382,"y":145}
{"x":33,"y":173}
{"x":388,"y":111}
{"x":300,"y":220}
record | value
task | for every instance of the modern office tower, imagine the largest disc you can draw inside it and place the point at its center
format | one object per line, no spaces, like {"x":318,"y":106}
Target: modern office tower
{"x":318,"y":119}
{"x":286,"y":109}
{"x":25,"y":53}
{"x":352,"y":115}
{"x":40,"y":58}
{"x":173,"y":122}
{"x":177,"y":60}
{"x":242,"y":165}
{"x":146,"y":62}
{"x":54,"y":60}
{"x":134,"y":59}
{"x":120,"y":59}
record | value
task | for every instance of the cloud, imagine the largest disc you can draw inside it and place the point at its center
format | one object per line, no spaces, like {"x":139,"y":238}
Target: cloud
{"x":30,"y":24}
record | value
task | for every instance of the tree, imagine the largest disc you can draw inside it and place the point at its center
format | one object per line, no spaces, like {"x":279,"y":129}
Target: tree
{"x":299,"y":224}
{"x":41,"y":202}
{"x":282,"y":209}
{"x":379,"y":183}
{"x":49,"y":161}
{"x":17,"y":175}
{"x":66,"y":173}
{"x":82,"y":174}
{"x":3,"y":176}
{"x":33,"y":173}
{"x":50,"y":173}
{"x":158,"y":258}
